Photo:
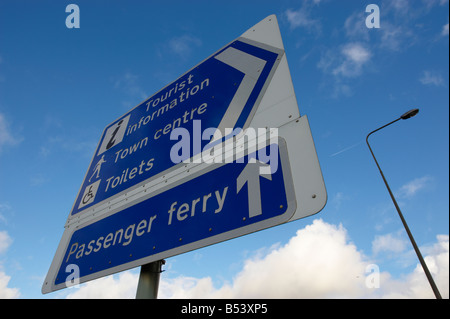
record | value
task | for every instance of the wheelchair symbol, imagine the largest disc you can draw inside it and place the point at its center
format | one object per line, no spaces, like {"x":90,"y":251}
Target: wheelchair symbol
{"x":89,"y":194}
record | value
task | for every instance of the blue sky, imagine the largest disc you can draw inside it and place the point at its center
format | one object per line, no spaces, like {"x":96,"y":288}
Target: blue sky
{"x":60,"y":87}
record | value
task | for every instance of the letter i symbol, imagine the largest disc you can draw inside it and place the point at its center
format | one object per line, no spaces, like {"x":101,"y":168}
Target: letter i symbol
{"x":112,"y":140}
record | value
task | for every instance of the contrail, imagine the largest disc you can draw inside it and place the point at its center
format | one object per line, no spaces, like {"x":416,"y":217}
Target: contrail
{"x":345,"y":149}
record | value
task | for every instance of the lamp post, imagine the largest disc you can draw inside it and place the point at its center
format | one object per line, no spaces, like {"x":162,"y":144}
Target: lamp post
{"x":405,"y":116}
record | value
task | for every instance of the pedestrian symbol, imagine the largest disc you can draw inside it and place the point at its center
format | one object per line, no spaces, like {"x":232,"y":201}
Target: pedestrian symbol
{"x":97,"y":168}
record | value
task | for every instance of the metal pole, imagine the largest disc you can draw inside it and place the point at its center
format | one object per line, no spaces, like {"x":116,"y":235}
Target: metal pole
{"x":149,"y":280}
{"x":413,"y":242}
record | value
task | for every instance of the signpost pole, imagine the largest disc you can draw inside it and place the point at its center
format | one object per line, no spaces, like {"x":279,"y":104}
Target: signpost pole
{"x":149,"y":280}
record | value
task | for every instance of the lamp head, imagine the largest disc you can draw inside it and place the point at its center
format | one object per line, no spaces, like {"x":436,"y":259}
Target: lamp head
{"x":409,"y":114}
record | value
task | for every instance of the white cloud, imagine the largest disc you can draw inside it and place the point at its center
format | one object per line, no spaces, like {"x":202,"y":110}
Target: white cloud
{"x":184,"y":45}
{"x":301,"y":18}
{"x":5,"y":291}
{"x":5,"y":241}
{"x":437,"y":260}
{"x":112,"y":287}
{"x":445,"y":30}
{"x":415,"y":284}
{"x":388,"y":243}
{"x":431,"y":3}
{"x":431,"y":78}
{"x":318,"y":262}
{"x":178,"y":47}
{"x":355,"y":56}
{"x":356,"y":53}
{"x":6,"y":138}
{"x":355,"y":26}
{"x":337,"y":200}
{"x":401,"y":6}
{"x":3,"y":209}
{"x":411,"y":188}
{"x":348,"y":64}
{"x":184,"y":287}
{"x":59,"y":141}
{"x":395,"y":37}
{"x":128,"y":83}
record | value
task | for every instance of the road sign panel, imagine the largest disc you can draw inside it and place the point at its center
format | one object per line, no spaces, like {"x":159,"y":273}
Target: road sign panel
{"x":219,"y":202}
{"x":223,"y":92}
{"x":136,"y":205}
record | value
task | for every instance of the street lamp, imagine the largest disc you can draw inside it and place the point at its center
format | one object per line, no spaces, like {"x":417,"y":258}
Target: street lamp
{"x":405,"y":116}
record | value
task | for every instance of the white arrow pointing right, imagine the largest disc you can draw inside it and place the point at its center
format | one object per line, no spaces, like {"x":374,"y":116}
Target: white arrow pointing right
{"x":252,"y":67}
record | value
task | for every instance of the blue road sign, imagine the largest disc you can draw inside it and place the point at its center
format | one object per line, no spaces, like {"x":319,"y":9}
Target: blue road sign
{"x":219,"y":202}
{"x":137,"y":204}
{"x":222,"y":92}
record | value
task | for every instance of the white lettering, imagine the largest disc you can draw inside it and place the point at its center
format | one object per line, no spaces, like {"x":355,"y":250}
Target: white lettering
{"x":220,"y":199}
{"x":183,"y":209}
{"x":73,"y":279}
{"x":129,"y":174}
{"x":373,"y":279}
{"x":113,"y":238}
{"x":209,"y":310}
{"x":373,"y":19}
{"x":130,"y":150}
{"x":73,"y":19}
{"x":237,"y":144}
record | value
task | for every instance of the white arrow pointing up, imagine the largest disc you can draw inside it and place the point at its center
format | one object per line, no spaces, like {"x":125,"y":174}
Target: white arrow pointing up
{"x":250,"y":175}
